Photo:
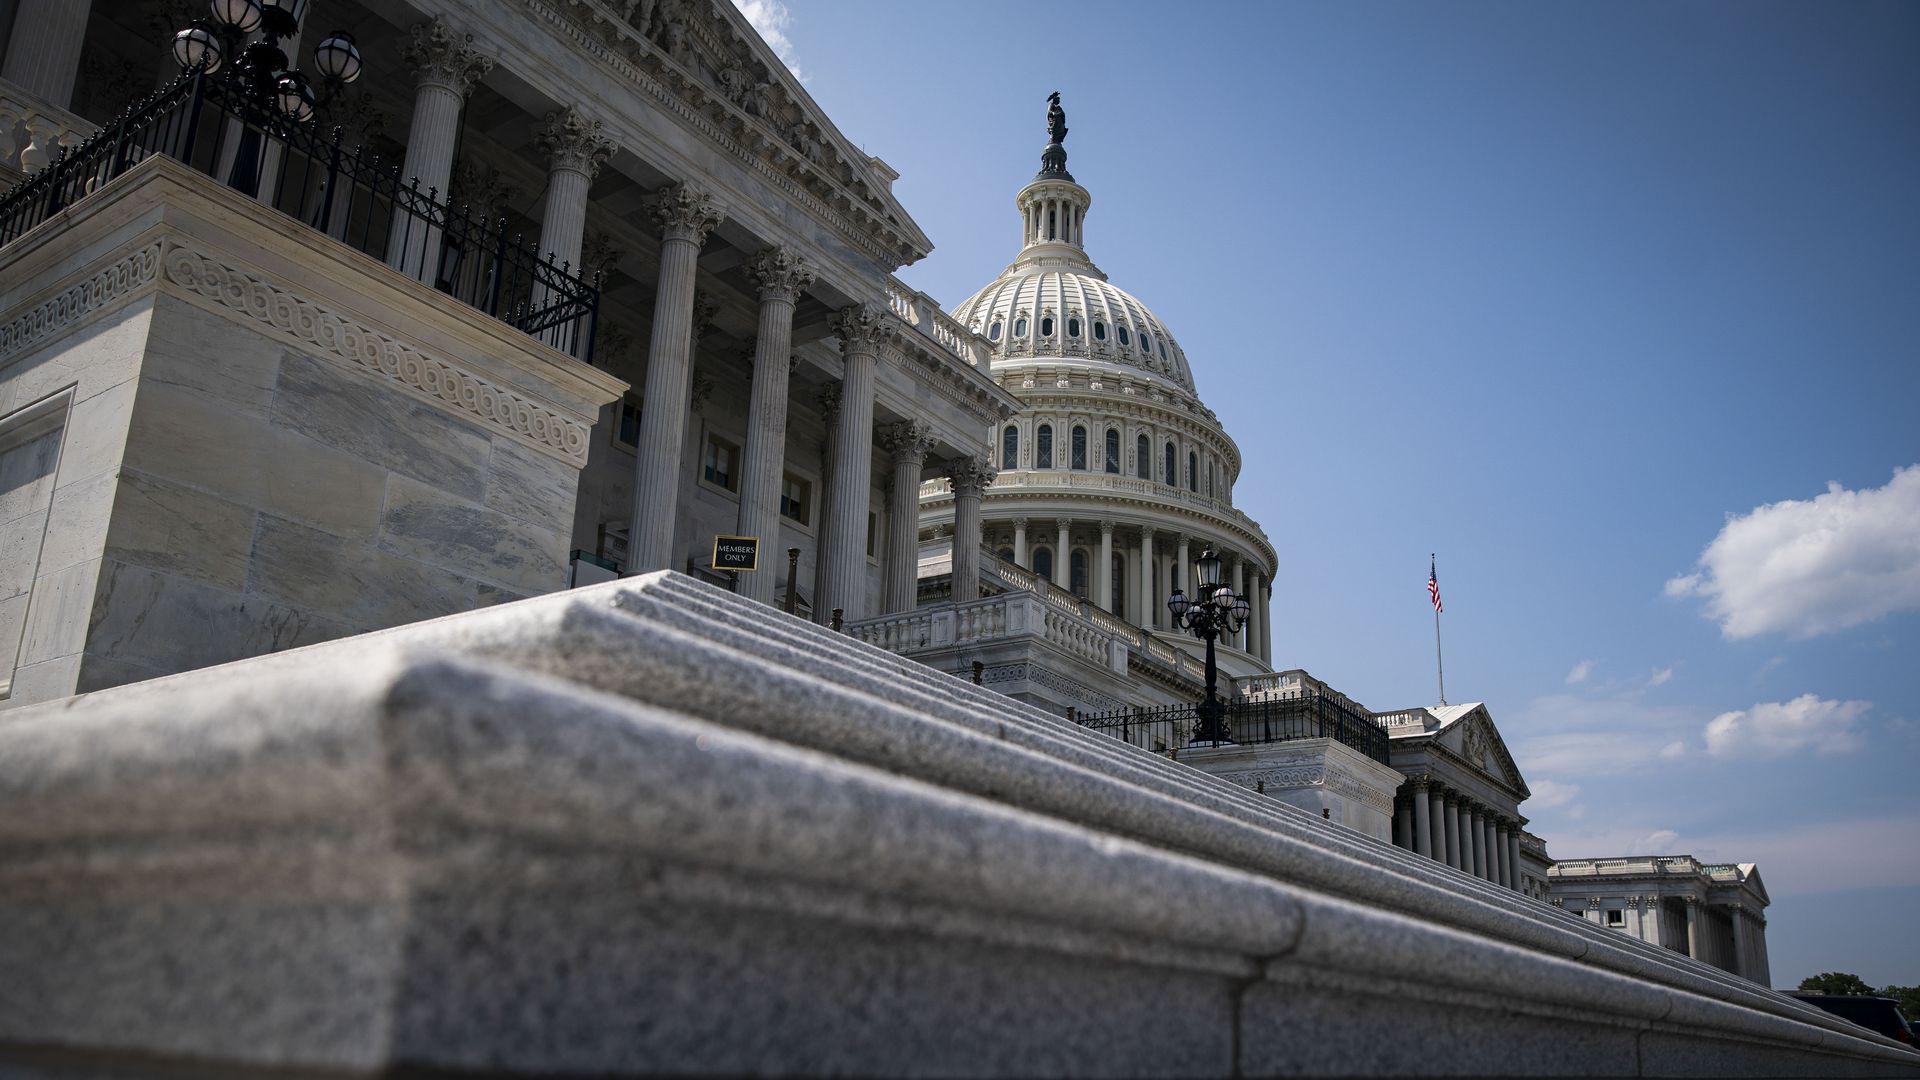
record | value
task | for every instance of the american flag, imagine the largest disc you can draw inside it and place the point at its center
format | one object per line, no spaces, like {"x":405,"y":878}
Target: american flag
{"x":1433,"y":586}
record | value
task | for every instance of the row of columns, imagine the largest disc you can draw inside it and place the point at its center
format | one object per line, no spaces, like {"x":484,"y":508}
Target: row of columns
{"x":1447,"y":826}
{"x":1151,"y":572}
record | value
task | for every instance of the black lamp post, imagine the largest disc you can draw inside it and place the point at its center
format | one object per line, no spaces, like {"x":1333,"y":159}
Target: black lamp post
{"x":261,"y":67}
{"x":1214,"y":610}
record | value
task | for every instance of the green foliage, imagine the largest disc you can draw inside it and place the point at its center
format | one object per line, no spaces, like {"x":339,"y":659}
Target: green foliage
{"x":1907,"y":996}
{"x":1835,"y":982}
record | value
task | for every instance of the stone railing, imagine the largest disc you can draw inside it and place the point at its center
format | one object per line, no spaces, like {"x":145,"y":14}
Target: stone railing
{"x":32,"y":131}
{"x":1009,"y":616}
{"x":1083,"y":480}
{"x":921,"y":312}
{"x":1646,"y":864}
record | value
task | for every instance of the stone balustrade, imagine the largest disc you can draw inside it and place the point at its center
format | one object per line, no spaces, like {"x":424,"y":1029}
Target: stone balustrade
{"x":32,"y":131}
{"x":923,"y":313}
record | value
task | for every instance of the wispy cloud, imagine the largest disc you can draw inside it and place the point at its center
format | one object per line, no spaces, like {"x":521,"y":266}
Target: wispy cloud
{"x":770,"y":19}
{"x":1776,"y":728}
{"x":1580,"y":672}
{"x":1813,"y":566}
{"x":1548,"y":794}
{"x":1661,"y":676}
{"x":1591,"y":737}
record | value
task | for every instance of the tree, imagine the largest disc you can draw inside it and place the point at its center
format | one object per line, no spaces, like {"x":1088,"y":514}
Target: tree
{"x":1835,"y":982}
{"x":1907,"y":996}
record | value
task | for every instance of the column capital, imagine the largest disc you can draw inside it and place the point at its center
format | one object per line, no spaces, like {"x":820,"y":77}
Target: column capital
{"x":700,"y":391}
{"x":1106,"y":526}
{"x":684,"y":212}
{"x":970,"y":475}
{"x":829,"y":401}
{"x":907,"y":441}
{"x":1063,"y":524}
{"x":1020,"y":523}
{"x":571,"y":140}
{"x":442,"y":56}
{"x":862,"y":328}
{"x":780,"y":273}
{"x":1420,"y":784}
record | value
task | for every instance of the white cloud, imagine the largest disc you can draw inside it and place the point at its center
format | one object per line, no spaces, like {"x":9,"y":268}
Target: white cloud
{"x":1580,"y":672}
{"x":1590,"y":737}
{"x":1548,"y":794}
{"x":770,"y":19}
{"x":1673,"y":751}
{"x":1813,"y":566}
{"x":1775,"y":728}
{"x":1657,"y":842}
{"x":1662,"y":676}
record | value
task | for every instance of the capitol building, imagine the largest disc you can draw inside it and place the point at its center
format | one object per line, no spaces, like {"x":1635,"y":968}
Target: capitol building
{"x":487,"y":453}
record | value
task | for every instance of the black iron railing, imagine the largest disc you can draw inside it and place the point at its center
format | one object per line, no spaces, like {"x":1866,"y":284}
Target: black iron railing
{"x":1172,"y":727}
{"x":214,"y":126}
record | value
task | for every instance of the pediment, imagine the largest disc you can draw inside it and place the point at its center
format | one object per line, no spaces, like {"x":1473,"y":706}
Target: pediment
{"x":708,"y":55}
{"x":1475,"y":739}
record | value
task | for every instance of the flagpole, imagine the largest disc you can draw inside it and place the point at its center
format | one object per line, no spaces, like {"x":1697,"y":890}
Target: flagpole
{"x":1439,"y":664}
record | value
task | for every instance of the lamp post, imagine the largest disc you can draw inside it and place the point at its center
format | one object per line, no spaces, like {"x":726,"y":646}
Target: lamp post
{"x":1214,"y":610}
{"x":262,"y":68}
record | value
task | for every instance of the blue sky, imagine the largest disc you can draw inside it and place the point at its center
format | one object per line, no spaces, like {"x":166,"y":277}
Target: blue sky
{"x":1565,"y":293}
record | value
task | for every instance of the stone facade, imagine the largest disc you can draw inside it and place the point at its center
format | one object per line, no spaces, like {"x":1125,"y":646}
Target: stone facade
{"x":1713,"y":912}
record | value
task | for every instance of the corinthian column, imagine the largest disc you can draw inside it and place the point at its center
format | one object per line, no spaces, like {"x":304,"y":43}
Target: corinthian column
{"x":862,"y":328}
{"x":686,"y":215}
{"x":43,"y":54}
{"x":1103,"y":585}
{"x":828,"y":398}
{"x":575,"y":150}
{"x":781,"y":276}
{"x":906,"y":444}
{"x":1149,"y":595}
{"x":1062,"y":554}
{"x":445,"y":68}
{"x":970,"y":476}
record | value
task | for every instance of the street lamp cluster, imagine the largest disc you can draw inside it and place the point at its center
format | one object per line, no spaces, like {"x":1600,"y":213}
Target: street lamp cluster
{"x":262,"y":66}
{"x":1214,"y":610}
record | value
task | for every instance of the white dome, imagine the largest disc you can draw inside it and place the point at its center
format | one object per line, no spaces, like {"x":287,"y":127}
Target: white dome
{"x":1088,"y":317}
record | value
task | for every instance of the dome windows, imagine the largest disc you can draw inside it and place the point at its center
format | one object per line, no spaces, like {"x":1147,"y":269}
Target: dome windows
{"x":1020,"y":327}
{"x":1046,"y":326}
{"x":1043,"y":447}
{"x":1079,"y":459}
{"x":993,"y":332}
{"x":1010,"y":447}
{"x":1113,"y":448}
{"x":1099,"y":330}
{"x":1142,"y":458}
{"x":1124,"y":336}
{"x":1073,"y":326}
{"x":1170,"y":474}
{"x":1193,"y":472}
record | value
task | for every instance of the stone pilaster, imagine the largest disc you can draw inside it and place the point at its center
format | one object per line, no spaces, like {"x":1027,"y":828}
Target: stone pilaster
{"x":1452,"y":820}
{"x":1693,"y":927}
{"x":1149,"y":598}
{"x":445,"y":67}
{"x":781,"y":276}
{"x":1062,"y":554}
{"x":828,"y":399}
{"x":862,"y":329}
{"x":685,"y":215}
{"x":1103,"y":582}
{"x":1513,"y":859}
{"x":970,"y":477}
{"x":1020,"y":541}
{"x":43,"y":51}
{"x":906,"y":444}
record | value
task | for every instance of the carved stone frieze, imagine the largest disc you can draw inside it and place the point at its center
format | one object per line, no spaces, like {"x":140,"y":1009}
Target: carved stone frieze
{"x":371,"y":353}
{"x":439,"y":55}
{"x":79,"y":301}
{"x":780,"y":273}
{"x":684,"y":212}
{"x":572,"y":140}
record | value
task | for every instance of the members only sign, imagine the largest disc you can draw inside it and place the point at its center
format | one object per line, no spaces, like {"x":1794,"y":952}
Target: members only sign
{"x":736,"y":553}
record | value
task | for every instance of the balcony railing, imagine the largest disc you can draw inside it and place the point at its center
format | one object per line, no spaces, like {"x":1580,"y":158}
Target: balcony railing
{"x":1315,"y":716}
{"x":212,"y":125}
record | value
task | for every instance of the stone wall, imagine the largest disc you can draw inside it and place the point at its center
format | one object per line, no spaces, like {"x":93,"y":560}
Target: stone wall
{"x":259,"y":453}
{"x":652,"y":829}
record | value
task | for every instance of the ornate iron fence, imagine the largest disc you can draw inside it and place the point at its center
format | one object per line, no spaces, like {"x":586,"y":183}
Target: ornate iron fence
{"x":1313,"y":716}
{"x":212,"y":125}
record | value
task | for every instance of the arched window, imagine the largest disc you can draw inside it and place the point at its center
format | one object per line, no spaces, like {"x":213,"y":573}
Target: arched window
{"x":1020,"y":326}
{"x":1046,"y":326}
{"x":1073,"y":326}
{"x":1193,"y":471}
{"x":1170,"y":472}
{"x":1006,"y":554}
{"x":993,"y":332}
{"x":1043,"y":447}
{"x":1077,"y":572}
{"x":1053,"y":221}
{"x":1124,"y":336}
{"x":1099,"y":330}
{"x":1113,"y":450}
{"x":1079,"y":447}
{"x":1142,"y":459}
{"x":1043,"y":562}
{"x":1010,"y":447}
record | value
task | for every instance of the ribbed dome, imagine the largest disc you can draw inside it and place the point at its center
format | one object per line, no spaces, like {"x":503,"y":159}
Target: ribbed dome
{"x":1033,"y":312}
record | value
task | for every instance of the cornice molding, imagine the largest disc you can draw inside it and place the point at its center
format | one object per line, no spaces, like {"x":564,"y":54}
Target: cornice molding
{"x":120,"y":279}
